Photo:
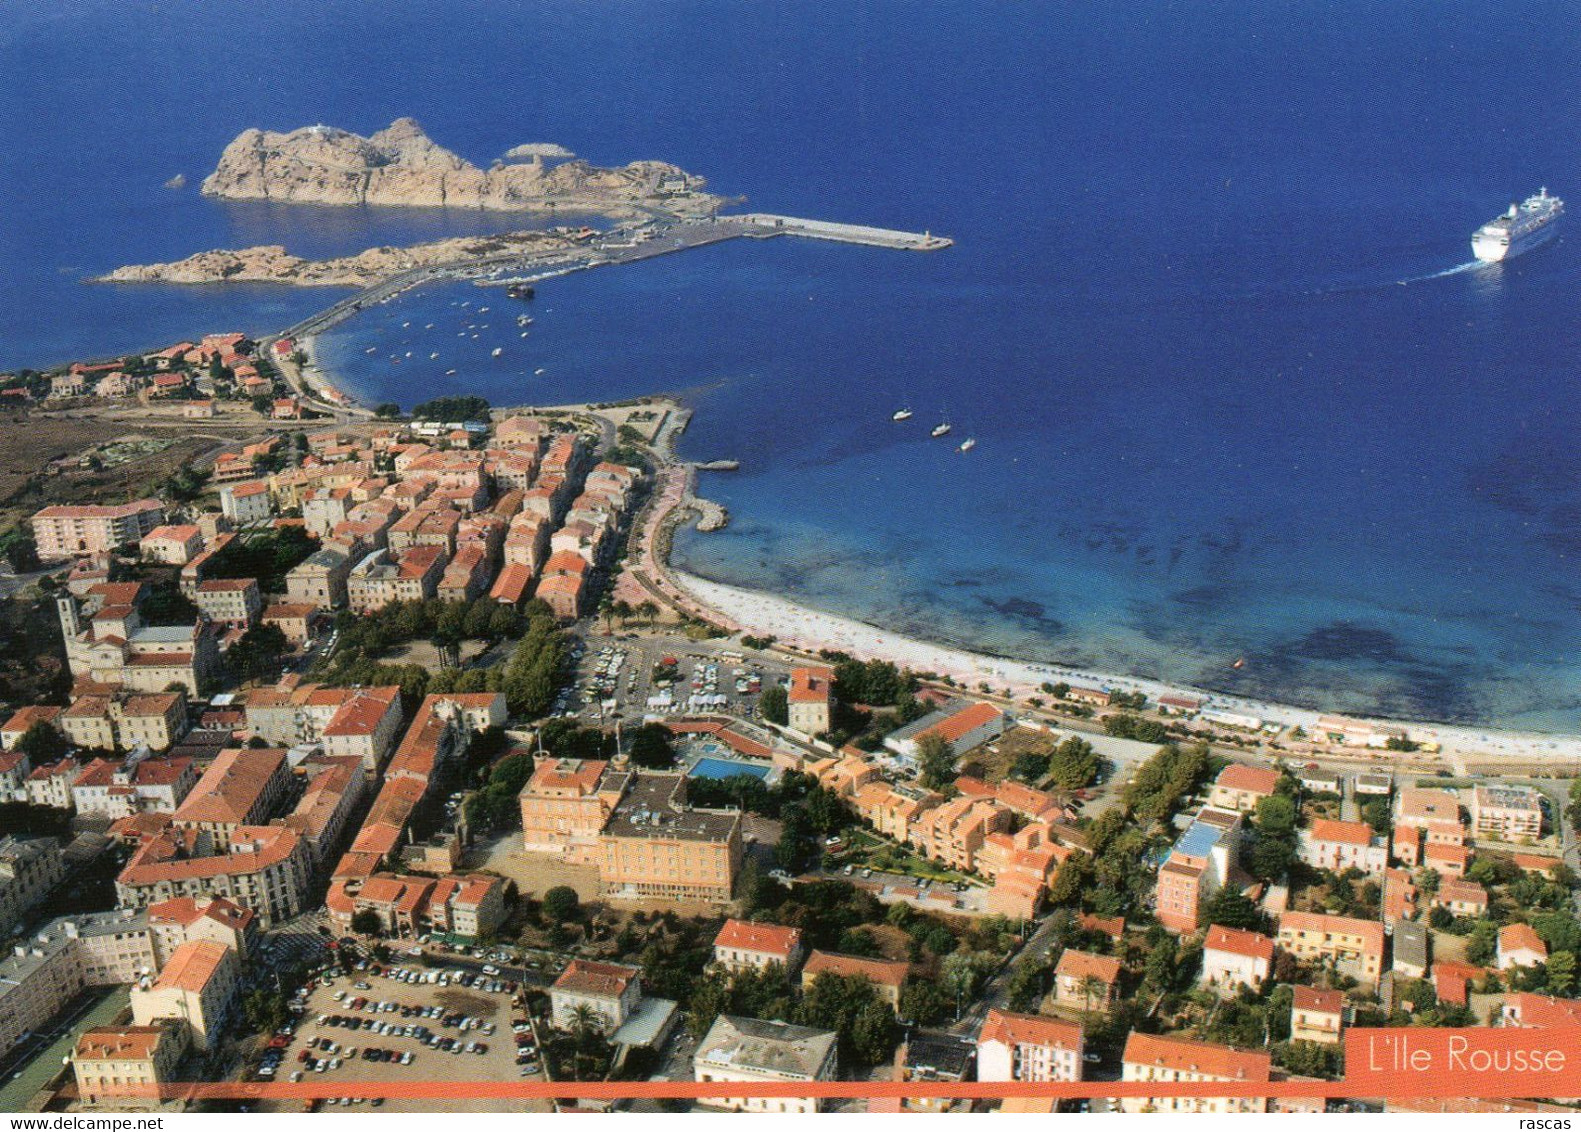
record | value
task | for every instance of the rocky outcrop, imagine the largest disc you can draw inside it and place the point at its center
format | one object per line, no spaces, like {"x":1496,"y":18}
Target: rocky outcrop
{"x":273,"y":264}
{"x":400,"y":165}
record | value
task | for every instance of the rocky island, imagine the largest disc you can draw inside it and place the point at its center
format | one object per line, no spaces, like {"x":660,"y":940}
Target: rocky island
{"x":271,"y":263}
{"x":401,"y":166}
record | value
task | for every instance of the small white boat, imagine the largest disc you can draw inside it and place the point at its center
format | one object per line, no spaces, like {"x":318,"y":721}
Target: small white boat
{"x":901,"y":415}
{"x":483,"y":310}
{"x":941,"y":429}
{"x":404,"y":325}
{"x":371,"y":350}
{"x":430,"y":326}
{"x":968,"y":444}
{"x":524,"y":334}
{"x":408,"y":353}
{"x":450,"y":373}
{"x":433,"y":356}
{"x":539,"y":370}
{"x":497,"y":351}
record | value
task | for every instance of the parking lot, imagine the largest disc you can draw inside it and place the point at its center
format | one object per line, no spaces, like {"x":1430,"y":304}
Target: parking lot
{"x":616,"y":677}
{"x":406,"y":1024}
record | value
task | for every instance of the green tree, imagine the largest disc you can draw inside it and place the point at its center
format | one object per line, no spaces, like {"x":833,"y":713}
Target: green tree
{"x":1560,"y":971}
{"x":387,"y":411}
{"x":774,"y":704}
{"x":1276,"y":814}
{"x":1231,"y":908}
{"x":561,"y":903}
{"x":1074,"y":764}
{"x":935,"y":760}
{"x":41,"y":744}
{"x":1482,"y":944}
{"x":367,"y":922}
{"x":652,"y":747}
{"x":1375,"y":812}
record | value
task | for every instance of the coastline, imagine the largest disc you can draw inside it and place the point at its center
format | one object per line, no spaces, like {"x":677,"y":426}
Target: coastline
{"x":806,"y":629}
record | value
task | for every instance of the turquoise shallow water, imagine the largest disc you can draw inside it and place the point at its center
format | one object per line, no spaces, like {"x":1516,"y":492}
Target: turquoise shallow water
{"x":1221,"y":410}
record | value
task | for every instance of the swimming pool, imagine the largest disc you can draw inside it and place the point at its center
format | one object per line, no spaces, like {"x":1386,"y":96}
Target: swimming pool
{"x":727,"y":768}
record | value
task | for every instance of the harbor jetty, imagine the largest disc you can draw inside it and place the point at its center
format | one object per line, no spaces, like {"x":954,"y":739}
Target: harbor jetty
{"x":627,"y":244}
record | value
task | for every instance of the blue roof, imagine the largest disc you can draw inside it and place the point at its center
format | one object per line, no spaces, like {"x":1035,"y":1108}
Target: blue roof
{"x":1198,"y":840}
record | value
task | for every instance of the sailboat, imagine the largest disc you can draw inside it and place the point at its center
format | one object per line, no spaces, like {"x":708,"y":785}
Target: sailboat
{"x":498,"y":350}
{"x":941,"y":429}
{"x":901,"y":415}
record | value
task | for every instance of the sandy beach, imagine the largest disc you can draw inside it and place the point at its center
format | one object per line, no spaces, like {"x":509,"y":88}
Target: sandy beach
{"x":810,"y":630}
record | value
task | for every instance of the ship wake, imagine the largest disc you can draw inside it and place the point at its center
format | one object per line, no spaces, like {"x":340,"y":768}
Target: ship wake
{"x":1458,"y":269}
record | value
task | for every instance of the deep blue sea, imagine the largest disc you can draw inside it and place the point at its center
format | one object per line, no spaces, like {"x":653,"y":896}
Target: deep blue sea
{"x":1222,"y":409}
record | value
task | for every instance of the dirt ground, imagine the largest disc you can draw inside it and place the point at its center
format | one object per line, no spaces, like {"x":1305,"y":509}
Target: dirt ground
{"x":27,"y":445}
{"x":534,"y":873}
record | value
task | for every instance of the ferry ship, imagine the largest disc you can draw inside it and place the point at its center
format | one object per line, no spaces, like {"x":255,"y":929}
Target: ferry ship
{"x":1522,"y":228}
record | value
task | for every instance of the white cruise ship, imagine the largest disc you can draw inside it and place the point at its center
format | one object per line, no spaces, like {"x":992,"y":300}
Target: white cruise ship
{"x":1522,"y":228}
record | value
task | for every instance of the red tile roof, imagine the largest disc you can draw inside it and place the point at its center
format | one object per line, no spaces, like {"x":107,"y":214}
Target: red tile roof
{"x":1030,"y":1030}
{"x":770,"y":939}
{"x":885,"y":972}
{"x":1253,"y":945}
{"x":1203,"y":1058}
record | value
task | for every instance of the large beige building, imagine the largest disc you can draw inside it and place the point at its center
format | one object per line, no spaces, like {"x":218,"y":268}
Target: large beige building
{"x":197,"y":987}
{"x":360,"y":722}
{"x":654,"y":845}
{"x":243,"y":786}
{"x":65,"y":531}
{"x":1170,"y":1060}
{"x":566,"y":804}
{"x":115,"y":647}
{"x":1508,"y":813}
{"x":266,"y":869}
{"x":155,"y":720}
{"x":122,"y":1067}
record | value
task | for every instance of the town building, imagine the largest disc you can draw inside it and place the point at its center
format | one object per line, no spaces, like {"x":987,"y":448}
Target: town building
{"x":1198,"y":865}
{"x":810,"y":700}
{"x":1341,"y":845}
{"x":171,"y":545}
{"x":1354,"y":946}
{"x":246,"y":502}
{"x":182,"y":920}
{"x":566,"y":804}
{"x":1171,"y":1060}
{"x":265,"y":869}
{"x":110,"y":790}
{"x":1410,"y":952}
{"x":23,"y":719}
{"x":611,"y":991}
{"x":1233,"y":958}
{"x":741,"y":945}
{"x":319,"y":579}
{"x":655,"y":845}
{"x":1508,"y":813}
{"x":242,"y":787}
{"x":234,"y":603}
{"x":750,"y":1049}
{"x":1028,"y":1047}
{"x":1316,"y":1015}
{"x":1240,"y":787}
{"x":122,"y":1067}
{"x":155,"y":720}
{"x":68,"y":531}
{"x":30,"y":869}
{"x":197,"y":987}
{"x":963,"y":726}
{"x":1521,"y":946}
{"x":888,"y":976}
{"x":1085,"y":981}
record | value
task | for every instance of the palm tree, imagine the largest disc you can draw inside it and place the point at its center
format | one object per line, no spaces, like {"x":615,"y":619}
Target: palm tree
{"x":649,"y":609}
{"x":1092,"y":987}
